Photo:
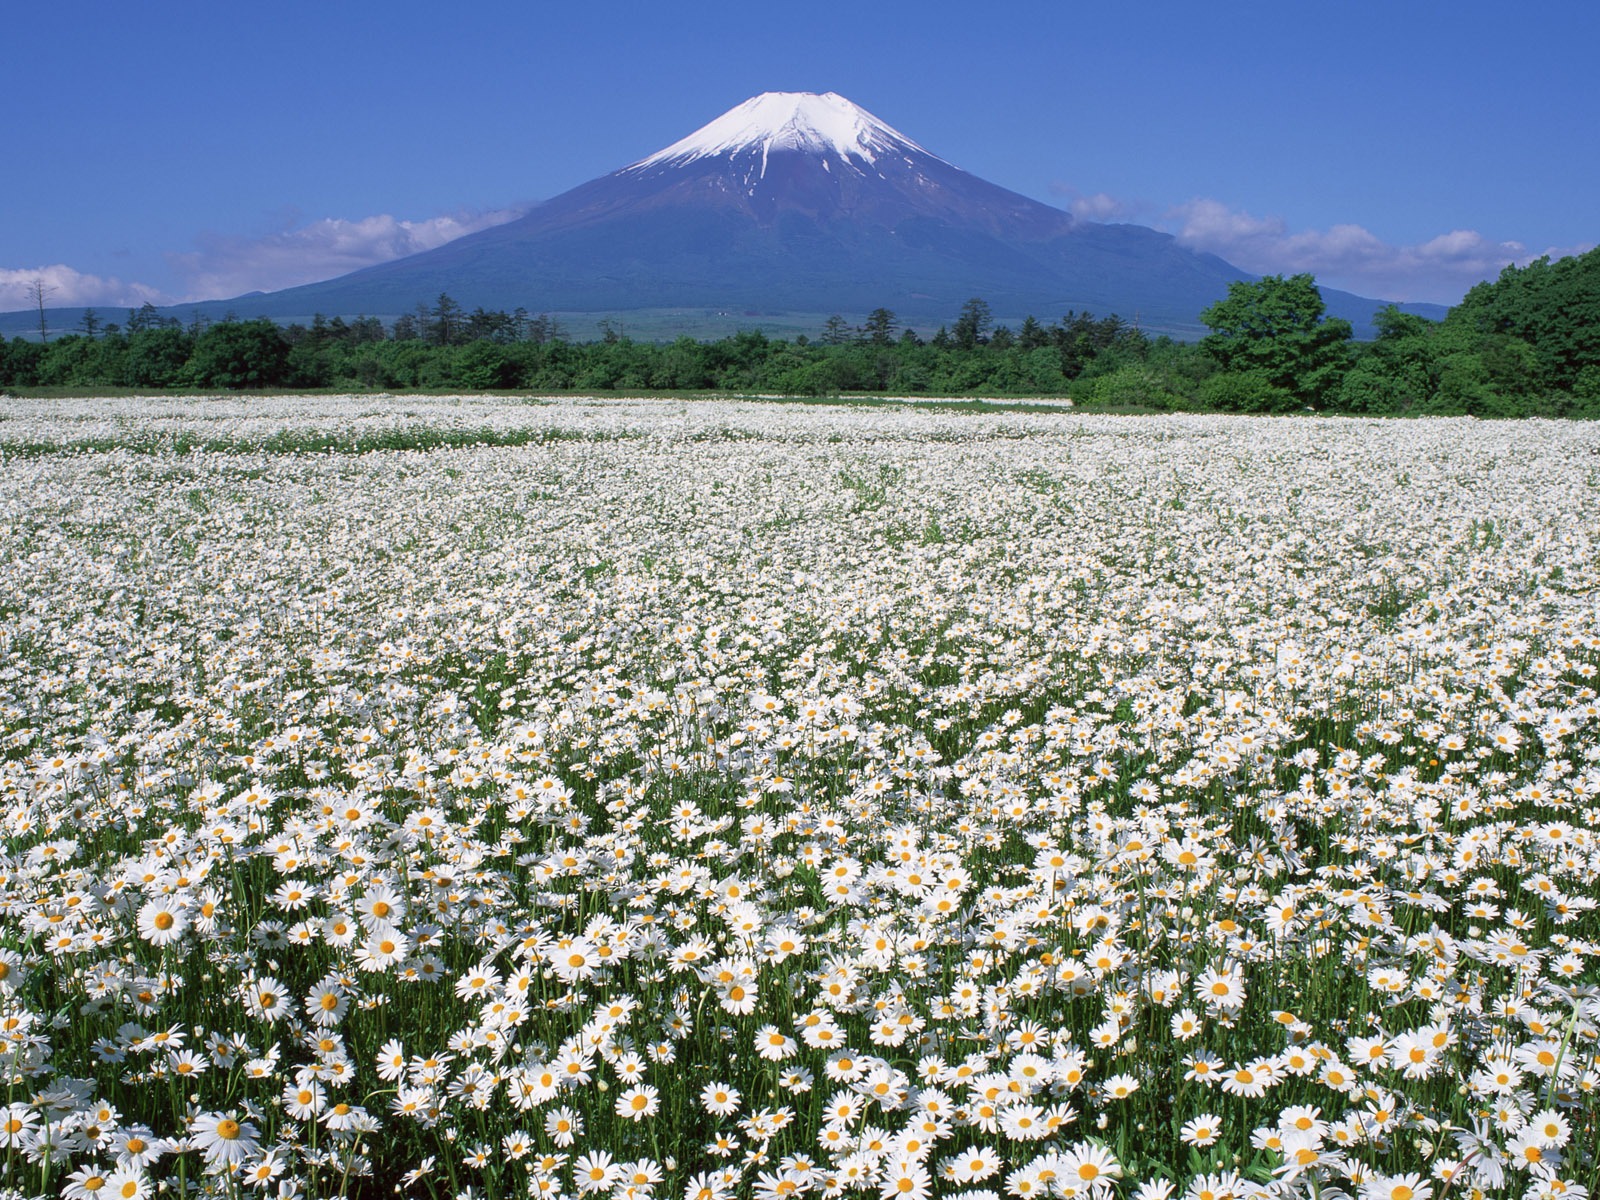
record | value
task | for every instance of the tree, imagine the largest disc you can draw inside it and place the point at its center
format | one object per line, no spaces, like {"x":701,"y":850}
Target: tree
{"x":484,"y":366}
{"x":1136,"y":385}
{"x":1041,"y":369}
{"x":21,"y":362}
{"x":156,"y":357}
{"x":1553,"y":307}
{"x":1245,"y":391}
{"x":1032,"y":335}
{"x":1276,"y":328}
{"x":41,"y":291}
{"x":973,"y":323}
{"x":1399,"y":371}
{"x":448,"y":324}
{"x":484,"y":325}
{"x":365,"y":330}
{"x":78,"y":361}
{"x":835,"y":332}
{"x":240,"y":354}
{"x":539,"y":330}
{"x":89,"y":323}
{"x":148,"y":318}
{"x":880,"y":326}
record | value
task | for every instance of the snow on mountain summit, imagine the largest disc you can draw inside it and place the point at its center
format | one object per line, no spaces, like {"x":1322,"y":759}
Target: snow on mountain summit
{"x":805,"y":121}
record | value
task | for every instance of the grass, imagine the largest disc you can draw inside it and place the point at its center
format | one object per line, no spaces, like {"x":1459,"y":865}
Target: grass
{"x":302,"y":441}
{"x":977,"y":403}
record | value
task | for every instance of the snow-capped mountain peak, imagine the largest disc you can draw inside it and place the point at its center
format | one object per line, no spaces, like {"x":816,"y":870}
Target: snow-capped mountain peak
{"x":826,"y":125}
{"x":794,"y":203}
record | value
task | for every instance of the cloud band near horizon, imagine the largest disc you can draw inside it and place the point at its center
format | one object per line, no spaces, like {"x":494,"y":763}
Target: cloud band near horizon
{"x":66,"y":287}
{"x":223,"y":266}
{"x":226,"y":266}
{"x":1346,"y":256}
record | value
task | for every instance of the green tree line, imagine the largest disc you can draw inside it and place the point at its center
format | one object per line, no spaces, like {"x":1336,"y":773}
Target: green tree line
{"x":1525,"y":344}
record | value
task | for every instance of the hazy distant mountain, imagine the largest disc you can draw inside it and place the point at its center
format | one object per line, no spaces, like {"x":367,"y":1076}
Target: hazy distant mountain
{"x":798,"y":202}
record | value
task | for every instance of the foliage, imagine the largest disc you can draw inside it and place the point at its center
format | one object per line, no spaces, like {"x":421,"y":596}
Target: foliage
{"x":1135,"y":385}
{"x":1250,"y":391}
{"x":1551,"y":307}
{"x":240,"y":354}
{"x":973,"y":323}
{"x":1526,"y":345}
{"x":1276,"y":331}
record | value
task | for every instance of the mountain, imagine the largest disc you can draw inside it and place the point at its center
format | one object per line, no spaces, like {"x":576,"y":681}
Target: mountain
{"x":802,"y":203}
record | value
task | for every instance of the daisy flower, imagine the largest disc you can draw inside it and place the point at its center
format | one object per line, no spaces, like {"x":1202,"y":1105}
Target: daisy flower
{"x":721,"y":1100}
{"x":223,"y":1138}
{"x":638,"y":1102}
{"x":1089,"y":1165}
{"x":125,"y":1184}
{"x":905,"y":1179}
{"x":1396,"y":1187}
{"x":564,"y":1126}
{"x":17,"y":1124}
{"x":1201,"y":1131}
{"x":162,"y":921}
{"x":1120,"y":1087}
{"x":595,"y":1172}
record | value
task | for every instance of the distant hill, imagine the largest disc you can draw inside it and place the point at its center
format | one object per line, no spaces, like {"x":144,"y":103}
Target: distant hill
{"x":789,"y":203}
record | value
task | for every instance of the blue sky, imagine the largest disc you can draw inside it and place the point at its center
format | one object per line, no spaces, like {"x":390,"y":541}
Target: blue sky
{"x":1404,"y":150}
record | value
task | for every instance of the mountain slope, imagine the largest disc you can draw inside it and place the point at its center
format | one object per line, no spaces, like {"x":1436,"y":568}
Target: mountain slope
{"x":795,"y":202}
{"x":791,"y":201}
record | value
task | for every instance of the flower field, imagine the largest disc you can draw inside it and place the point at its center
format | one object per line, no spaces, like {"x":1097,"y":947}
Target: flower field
{"x":508,"y":798}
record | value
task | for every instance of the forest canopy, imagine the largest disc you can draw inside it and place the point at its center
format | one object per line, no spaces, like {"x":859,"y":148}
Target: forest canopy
{"x":1525,"y":344}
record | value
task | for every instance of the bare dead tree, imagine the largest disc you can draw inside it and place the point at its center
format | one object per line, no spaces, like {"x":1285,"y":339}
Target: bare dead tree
{"x":41,"y":291}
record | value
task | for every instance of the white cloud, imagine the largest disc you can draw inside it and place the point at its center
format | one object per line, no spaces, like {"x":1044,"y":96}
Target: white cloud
{"x":1350,"y":257}
{"x":1099,"y":206}
{"x":69,"y":288}
{"x":229,"y":265}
